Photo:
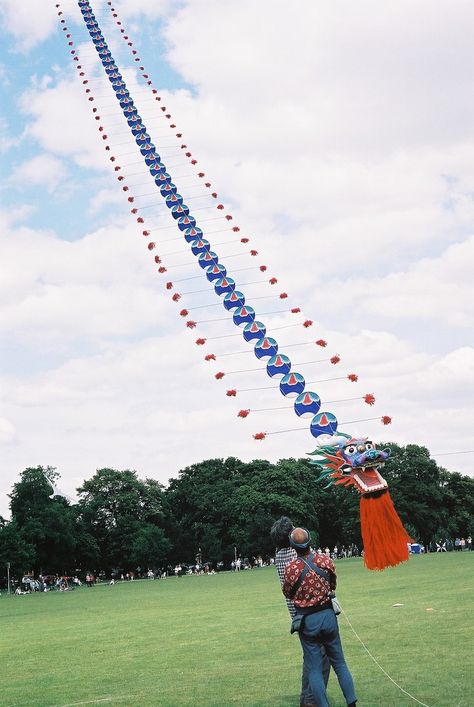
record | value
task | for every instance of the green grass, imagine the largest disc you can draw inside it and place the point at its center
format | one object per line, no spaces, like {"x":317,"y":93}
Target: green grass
{"x":224,"y":640}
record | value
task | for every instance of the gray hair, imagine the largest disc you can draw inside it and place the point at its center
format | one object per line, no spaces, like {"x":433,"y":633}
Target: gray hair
{"x":280,"y":532}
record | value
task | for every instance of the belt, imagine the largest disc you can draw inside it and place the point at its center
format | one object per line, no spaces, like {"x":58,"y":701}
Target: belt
{"x":313,"y":609}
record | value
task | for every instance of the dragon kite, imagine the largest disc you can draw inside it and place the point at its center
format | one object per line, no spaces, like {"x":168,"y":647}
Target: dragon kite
{"x":345,"y":461}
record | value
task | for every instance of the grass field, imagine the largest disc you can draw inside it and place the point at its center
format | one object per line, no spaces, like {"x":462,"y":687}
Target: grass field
{"x":224,"y":640}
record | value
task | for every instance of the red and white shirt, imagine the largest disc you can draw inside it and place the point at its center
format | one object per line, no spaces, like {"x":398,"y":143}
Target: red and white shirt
{"x":314,"y":589}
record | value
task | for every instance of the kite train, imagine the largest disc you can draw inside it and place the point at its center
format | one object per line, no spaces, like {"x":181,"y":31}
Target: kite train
{"x":343,"y":460}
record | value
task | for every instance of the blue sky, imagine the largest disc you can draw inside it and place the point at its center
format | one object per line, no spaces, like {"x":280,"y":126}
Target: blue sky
{"x":344,"y":150}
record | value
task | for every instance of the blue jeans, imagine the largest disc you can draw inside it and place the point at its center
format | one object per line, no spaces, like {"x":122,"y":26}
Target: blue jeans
{"x":321,"y":629}
{"x":306,"y":696}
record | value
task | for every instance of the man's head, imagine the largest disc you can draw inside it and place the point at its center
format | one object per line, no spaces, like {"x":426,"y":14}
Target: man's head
{"x":300,"y":540}
{"x":280,"y":532}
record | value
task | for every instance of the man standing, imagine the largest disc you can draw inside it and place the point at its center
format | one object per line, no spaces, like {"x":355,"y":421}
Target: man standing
{"x":309,"y":581}
{"x":280,"y":535}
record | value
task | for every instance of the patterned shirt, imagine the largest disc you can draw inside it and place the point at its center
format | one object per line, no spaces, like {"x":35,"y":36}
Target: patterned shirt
{"x":314,"y":589}
{"x":282,"y":558}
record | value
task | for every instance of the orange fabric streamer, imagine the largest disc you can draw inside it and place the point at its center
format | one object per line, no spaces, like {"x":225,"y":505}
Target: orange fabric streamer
{"x":384,"y":537}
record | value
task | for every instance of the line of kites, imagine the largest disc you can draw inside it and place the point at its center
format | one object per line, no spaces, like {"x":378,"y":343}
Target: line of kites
{"x":277,"y":365}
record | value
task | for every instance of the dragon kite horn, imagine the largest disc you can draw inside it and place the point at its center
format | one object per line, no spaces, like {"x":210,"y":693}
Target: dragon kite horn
{"x":346,"y":461}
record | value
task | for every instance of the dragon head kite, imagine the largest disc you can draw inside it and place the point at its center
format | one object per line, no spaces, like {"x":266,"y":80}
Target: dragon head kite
{"x":347,"y":461}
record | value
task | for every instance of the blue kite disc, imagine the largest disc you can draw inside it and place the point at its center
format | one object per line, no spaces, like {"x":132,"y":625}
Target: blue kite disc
{"x":141,"y":138}
{"x":278,"y":365}
{"x":162,"y":178}
{"x":146,"y":148}
{"x":324,"y":423}
{"x":243,"y":315}
{"x":292,"y":384}
{"x":307,"y":404}
{"x":173,"y":199}
{"x":186,"y":222}
{"x":208,"y":258}
{"x":217,"y":272}
{"x":223,"y":283}
{"x":179,"y":210}
{"x":255,"y":330}
{"x":234,"y":299}
{"x":266,"y":347}
{"x":200,"y":245}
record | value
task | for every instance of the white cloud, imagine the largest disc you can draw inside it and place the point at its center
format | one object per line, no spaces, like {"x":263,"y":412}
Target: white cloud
{"x":7,"y":430}
{"x":43,"y":170}
{"x":29,"y":21}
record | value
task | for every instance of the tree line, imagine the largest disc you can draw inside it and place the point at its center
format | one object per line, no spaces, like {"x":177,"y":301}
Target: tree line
{"x":214,"y":509}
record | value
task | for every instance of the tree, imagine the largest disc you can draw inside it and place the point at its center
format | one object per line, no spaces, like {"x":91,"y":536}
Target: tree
{"x":16,"y":550}
{"x":121,"y":513}
{"x":47,"y":524}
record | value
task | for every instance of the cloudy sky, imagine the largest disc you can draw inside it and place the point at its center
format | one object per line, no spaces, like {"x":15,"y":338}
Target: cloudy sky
{"x":339,"y":136}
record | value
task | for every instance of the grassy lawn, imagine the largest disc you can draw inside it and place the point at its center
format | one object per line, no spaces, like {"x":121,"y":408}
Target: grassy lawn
{"x":224,"y":640}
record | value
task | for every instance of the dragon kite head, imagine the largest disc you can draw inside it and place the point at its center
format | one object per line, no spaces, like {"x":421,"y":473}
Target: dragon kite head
{"x":350,"y":461}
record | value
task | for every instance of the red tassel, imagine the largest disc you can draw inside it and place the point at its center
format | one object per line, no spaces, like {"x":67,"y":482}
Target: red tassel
{"x":335,"y":359}
{"x":384,"y":537}
{"x":386,"y":420}
{"x":283,"y":295}
{"x":272,"y":280}
{"x":307,"y":323}
{"x":210,"y":357}
{"x":146,"y":233}
{"x":254,"y":252}
{"x":369,"y":399}
{"x":157,"y":259}
{"x":169,"y":285}
{"x":219,"y":375}
{"x":176,"y":297}
{"x":243,"y":413}
{"x":162,"y":269}
{"x":184,"y":313}
{"x":236,"y":229}
{"x":231,"y":393}
{"x":244,"y":240}
{"x":353,"y":377}
{"x":200,"y":342}
{"x":229,"y":217}
{"x":151,"y":245}
{"x":321,"y":342}
{"x":214,"y":194}
{"x":191,"y":324}
{"x":134,"y":211}
{"x":260,"y":435}
{"x":296,"y":310}
{"x":207,"y":184}
{"x":140,"y":219}
{"x":263,"y":268}
{"x":201,"y":174}
{"x":220,"y":206}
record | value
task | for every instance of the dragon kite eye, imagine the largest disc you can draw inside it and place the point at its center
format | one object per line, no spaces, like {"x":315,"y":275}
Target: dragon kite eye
{"x":351,"y":449}
{"x":369,"y":445}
